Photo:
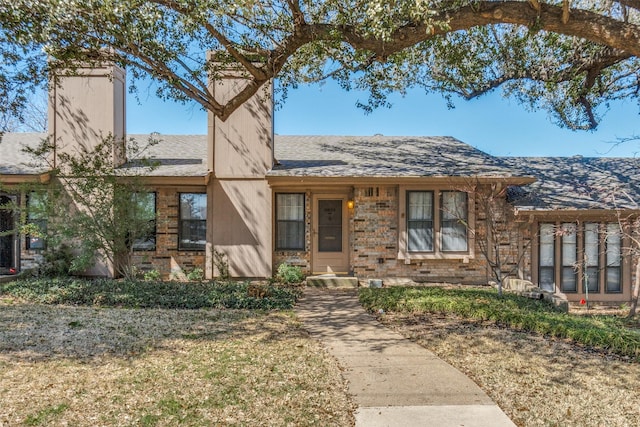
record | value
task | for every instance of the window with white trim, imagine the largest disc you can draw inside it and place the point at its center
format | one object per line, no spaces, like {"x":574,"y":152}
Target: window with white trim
{"x":436,"y":223}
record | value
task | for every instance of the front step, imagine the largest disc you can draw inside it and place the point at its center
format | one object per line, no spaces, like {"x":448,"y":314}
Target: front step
{"x":332,"y":281}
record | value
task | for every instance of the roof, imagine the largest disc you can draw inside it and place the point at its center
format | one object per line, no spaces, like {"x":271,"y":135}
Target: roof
{"x":174,"y":155}
{"x":381,"y":156}
{"x":568,"y":183}
{"x":13,"y":158}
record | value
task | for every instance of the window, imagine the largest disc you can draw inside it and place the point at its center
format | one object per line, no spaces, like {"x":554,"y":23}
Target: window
{"x":613,"y":281}
{"x":454,"y":221}
{"x":546,"y":273}
{"x":420,"y":221}
{"x":290,"y":224}
{"x":37,"y":218}
{"x":143,"y":225}
{"x":569,"y":277}
{"x":193,"y":221}
{"x":591,"y":256}
{"x":436,"y":224}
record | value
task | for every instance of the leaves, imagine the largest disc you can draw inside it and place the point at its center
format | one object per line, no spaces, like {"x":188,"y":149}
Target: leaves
{"x":568,"y":61}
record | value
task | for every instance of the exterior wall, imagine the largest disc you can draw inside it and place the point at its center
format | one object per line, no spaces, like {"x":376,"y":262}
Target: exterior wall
{"x":241,"y":227}
{"x":166,"y":258}
{"x":374,"y":240}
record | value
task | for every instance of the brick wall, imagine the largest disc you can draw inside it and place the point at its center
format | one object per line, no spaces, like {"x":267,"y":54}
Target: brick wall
{"x":166,"y":258}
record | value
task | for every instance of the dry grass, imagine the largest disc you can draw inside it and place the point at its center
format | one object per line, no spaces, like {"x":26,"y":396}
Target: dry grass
{"x":78,"y":366}
{"x":536,"y":381}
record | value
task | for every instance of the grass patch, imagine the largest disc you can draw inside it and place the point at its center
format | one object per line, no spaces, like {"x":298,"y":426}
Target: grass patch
{"x":148,"y":294}
{"x":46,"y":415}
{"x":608,"y":333}
{"x":157,"y":367}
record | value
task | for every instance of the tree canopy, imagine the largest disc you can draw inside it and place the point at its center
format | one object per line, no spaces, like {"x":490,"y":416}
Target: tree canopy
{"x":570,"y":57}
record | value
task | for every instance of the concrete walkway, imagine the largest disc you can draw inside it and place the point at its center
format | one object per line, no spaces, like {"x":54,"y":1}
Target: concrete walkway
{"x":394,"y":382}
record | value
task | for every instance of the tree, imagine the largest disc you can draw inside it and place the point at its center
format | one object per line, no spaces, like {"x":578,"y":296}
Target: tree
{"x":568,"y":56}
{"x":95,"y":208}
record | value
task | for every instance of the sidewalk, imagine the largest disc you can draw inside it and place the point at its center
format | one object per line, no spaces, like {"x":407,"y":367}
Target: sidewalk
{"x":394,"y":381}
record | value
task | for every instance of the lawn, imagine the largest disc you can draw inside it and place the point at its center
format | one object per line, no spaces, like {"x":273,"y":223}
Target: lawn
{"x":536,"y":378}
{"x":99,"y":365}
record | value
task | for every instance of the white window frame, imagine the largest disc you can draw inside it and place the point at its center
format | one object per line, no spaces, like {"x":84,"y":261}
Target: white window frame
{"x":437,"y":252}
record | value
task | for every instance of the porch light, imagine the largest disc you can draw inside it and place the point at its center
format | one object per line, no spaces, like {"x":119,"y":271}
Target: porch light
{"x":350,"y":204}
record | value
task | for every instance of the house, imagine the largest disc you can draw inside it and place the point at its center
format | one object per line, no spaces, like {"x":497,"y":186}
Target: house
{"x":432,"y":209}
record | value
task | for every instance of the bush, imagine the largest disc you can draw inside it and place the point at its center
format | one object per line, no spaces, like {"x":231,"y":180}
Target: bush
{"x":196,"y":275}
{"x":604,"y":332}
{"x":147,"y":294}
{"x":152,"y":275}
{"x":289,"y":274}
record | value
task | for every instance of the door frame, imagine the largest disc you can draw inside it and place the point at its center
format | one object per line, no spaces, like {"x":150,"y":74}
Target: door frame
{"x":319,"y":260}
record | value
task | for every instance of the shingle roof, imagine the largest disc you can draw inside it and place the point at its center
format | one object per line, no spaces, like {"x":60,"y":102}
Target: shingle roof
{"x":175,"y":155}
{"x":381,"y":156}
{"x":14,"y":160}
{"x":566,"y":183}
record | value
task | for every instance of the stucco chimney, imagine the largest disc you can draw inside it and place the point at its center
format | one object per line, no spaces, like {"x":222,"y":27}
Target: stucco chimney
{"x":87,"y":105}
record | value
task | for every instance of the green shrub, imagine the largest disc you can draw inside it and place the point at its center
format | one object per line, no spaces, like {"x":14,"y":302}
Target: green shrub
{"x":147,"y":294}
{"x":289,"y":274}
{"x":152,"y":275}
{"x":604,"y":332}
{"x":196,"y":275}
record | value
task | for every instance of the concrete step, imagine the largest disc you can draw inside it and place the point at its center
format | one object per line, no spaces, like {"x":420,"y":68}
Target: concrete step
{"x":332,"y":281}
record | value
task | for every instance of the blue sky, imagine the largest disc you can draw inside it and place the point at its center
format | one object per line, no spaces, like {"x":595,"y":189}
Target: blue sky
{"x":493,"y":124}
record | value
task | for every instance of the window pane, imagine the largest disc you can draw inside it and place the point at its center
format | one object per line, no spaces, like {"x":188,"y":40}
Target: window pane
{"x":547,"y":233}
{"x":144,"y":226}
{"x":569,"y":258}
{"x":37,"y":216}
{"x":568,"y":244}
{"x":420,"y":220}
{"x":420,"y":205}
{"x":613,"y":254}
{"x":192,"y":234}
{"x":454,"y":221}
{"x":420,"y":235}
{"x":613,"y":279}
{"x":546,"y":280}
{"x":290,"y":207}
{"x":193,"y":206}
{"x":613,"y":245}
{"x":593,"y":279}
{"x":290,"y":224}
{"x":591,"y":243}
{"x":454,"y":206}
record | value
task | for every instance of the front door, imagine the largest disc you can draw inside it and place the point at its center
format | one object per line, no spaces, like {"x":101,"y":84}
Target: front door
{"x":330,"y":242}
{"x":7,"y":235}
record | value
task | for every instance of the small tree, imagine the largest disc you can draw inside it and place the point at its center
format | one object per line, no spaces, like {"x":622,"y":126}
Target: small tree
{"x":94,"y":205}
{"x":494,"y":230}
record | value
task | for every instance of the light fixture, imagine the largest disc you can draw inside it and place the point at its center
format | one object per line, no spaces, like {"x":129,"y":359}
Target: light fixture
{"x":350,"y":204}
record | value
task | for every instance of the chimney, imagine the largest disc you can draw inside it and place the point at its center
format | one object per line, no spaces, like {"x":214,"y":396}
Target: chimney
{"x":241,"y":146}
{"x":87,"y":105}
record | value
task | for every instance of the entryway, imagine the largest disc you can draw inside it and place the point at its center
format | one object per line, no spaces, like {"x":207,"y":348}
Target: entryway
{"x":330,"y":244}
